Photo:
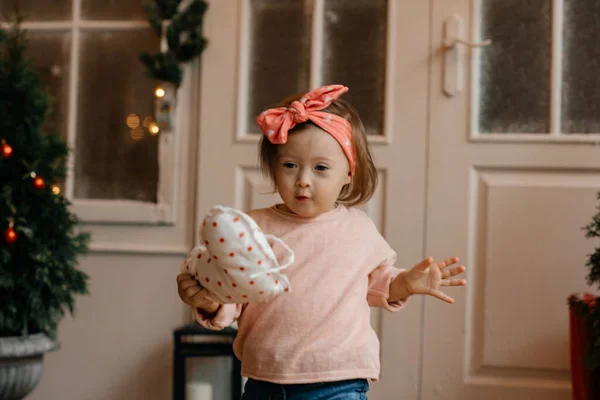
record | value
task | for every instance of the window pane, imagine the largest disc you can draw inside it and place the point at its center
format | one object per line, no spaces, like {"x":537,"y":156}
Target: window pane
{"x":50,"y":55}
{"x":279,"y":53}
{"x":354,"y":54}
{"x":113,"y":9}
{"x":581,"y":60}
{"x":37,"y":10}
{"x":515,"y":68}
{"x":113,"y":161}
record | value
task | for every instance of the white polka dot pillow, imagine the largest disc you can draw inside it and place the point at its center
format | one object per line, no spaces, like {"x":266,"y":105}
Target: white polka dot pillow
{"x":234,"y":259}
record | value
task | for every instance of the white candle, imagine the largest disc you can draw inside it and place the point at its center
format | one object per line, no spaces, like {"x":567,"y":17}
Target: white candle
{"x":198,"y":391}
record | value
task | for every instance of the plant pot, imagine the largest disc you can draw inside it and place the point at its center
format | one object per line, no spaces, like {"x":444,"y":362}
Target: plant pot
{"x":21,"y":360}
{"x":584,"y":380}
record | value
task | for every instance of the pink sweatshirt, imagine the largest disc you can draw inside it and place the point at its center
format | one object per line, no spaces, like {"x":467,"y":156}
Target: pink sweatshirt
{"x":320,"y":331}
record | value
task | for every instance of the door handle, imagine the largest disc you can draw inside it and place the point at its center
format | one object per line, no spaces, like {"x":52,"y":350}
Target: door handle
{"x":450,"y":43}
{"x":453,"y":54}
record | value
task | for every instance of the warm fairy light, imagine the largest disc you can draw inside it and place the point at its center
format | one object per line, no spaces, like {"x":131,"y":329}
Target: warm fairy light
{"x":133,"y":121}
{"x":56,"y":70}
{"x":154,"y":129}
{"x":55,"y":190}
{"x":10,"y":235}
{"x":39,"y":183}
{"x":148,"y":121}
{"x":137,"y":133}
{"x":7,"y":150}
{"x":160,"y":92}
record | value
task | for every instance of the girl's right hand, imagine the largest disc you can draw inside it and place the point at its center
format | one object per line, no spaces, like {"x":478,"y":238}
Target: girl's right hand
{"x":191,"y":293}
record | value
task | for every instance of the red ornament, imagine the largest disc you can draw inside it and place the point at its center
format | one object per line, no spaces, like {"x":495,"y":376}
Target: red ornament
{"x":7,"y":150}
{"x":38,"y":182}
{"x":10,"y":235}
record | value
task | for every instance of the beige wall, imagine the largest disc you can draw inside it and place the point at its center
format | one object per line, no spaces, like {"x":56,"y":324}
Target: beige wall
{"x":119,"y":346}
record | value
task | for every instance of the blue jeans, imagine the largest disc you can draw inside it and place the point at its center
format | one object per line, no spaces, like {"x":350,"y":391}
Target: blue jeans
{"x":353,"y":389}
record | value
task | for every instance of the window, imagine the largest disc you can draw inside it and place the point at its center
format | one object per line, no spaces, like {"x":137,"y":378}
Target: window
{"x":537,"y":81}
{"x":122,"y":169}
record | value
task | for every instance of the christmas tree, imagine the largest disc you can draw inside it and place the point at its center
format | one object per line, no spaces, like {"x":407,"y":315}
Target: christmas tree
{"x":40,"y":241}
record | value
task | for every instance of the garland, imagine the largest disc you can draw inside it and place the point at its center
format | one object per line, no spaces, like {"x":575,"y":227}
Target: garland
{"x":182,"y":30}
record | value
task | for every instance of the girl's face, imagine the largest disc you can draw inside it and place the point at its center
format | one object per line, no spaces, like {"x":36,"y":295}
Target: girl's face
{"x":311,"y":171}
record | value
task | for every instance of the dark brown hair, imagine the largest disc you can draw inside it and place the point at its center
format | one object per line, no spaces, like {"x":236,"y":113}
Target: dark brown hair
{"x":364,"y":181}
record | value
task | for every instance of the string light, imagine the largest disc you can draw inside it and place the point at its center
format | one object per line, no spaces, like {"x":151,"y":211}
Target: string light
{"x":160,"y":92}
{"x":148,"y":121}
{"x":55,"y":190}
{"x":39,"y":183}
{"x":9,"y":233}
{"x":133,"y":121}
{"x":154,"y":129}
{"x":7,"y":150}
{"x":137,"y":133}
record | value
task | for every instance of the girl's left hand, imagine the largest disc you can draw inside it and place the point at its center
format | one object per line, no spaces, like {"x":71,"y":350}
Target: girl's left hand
{"x":428,"y":276}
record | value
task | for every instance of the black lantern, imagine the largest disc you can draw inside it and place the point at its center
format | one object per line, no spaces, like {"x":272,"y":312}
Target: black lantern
{"x":196,"y":341}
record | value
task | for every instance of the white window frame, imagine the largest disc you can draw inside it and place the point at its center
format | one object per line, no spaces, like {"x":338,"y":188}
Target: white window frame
{"x":165,"y":211}
{"x":555,"y":135}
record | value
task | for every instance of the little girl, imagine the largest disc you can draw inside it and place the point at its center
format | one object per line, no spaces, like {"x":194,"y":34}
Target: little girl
{"x":316,"y":341}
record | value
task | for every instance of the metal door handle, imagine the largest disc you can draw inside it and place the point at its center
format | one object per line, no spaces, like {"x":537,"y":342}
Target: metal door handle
{"x":453,"y":54}
{"x":450,"y":43}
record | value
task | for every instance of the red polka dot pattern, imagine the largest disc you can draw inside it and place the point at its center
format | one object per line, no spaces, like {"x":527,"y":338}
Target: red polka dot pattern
{"x":236,"y":261}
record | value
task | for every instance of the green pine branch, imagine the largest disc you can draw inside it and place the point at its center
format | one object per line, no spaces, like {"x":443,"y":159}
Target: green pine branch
{"x":592,"y":230}
{"x":167,"y":8}
{"x":183,"y":37}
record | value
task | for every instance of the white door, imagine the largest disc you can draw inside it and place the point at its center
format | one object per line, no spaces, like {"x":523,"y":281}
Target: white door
{"x":263,"y":50}
{"x":513,"y":174}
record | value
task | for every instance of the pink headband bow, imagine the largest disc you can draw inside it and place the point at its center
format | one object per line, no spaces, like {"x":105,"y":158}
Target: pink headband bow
{"x":276,"y":122}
